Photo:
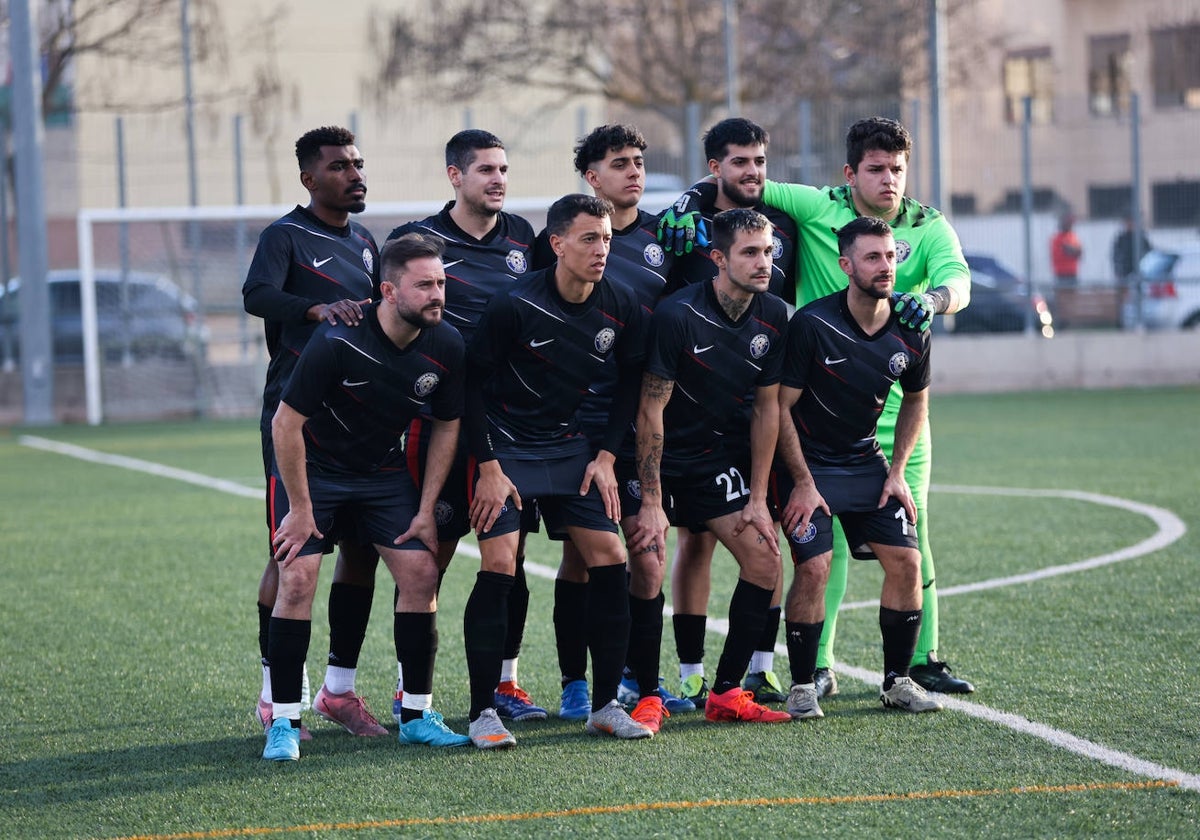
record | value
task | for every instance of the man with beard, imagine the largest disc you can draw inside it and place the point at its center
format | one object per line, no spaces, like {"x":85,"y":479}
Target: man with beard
{"x":736,"y":150}
{"x":339,"y":462}
{"x":931,"y":277}
{"x":487,"y":250}
{"x":711,"y":344}
{"x":316,"y":266}
{"x":845,"y":352}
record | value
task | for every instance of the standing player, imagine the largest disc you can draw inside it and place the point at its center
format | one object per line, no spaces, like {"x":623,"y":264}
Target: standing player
{"x":537,"y":349}
{"x":486,"y":252}
{"x":339,"y":457}
{"x":931,"y":277}
{"x":316,"y":266}
{"x":611,"y":160}
{"x":845,"y":353}
{"x":712,"y":344}
{"x":736,"y":150}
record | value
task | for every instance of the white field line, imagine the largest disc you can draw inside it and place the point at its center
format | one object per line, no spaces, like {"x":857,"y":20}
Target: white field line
{"x":1170,"y":529}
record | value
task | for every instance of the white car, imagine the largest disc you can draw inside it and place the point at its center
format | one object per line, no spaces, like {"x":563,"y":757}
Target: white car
{"x":1169,"y":293}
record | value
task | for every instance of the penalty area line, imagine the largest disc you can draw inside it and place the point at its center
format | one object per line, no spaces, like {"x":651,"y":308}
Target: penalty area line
{"x":1171,"y":528}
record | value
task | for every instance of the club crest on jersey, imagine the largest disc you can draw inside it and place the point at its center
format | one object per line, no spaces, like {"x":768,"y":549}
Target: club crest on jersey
{"x":443,"y":512}
{"x":759,"y":345}
{"x":425,"y":384}
{"x":368,"y":260}
{"x":903,"y":251}
{"x":653,"y":254}
{"x":516,"y":261}
{"x":604,"y":339}
{"x":898,"y":363}
{"x":808,"y":536}
{"x":776,"y":247}
{"x":634,"y":488}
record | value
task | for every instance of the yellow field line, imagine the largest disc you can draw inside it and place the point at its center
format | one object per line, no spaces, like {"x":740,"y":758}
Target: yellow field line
{"x":634,"y":807}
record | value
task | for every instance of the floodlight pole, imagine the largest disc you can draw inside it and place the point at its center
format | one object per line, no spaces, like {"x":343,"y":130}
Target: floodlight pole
{"x":37,"y":363}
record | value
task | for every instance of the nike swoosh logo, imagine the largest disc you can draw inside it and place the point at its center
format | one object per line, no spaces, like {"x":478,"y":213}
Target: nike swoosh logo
{"x":697,"y":349}
{"x":451,"y":264}
{"x":318,"y":263}
{"x":536,"y":344}
{"x":350,"y":384}
{"x":830,"y":361}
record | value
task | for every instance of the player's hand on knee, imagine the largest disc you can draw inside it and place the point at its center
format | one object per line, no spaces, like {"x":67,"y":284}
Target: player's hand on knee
{"x":802,"y":503}
{"x":492,"y":492}
{"x":293,"y":532}
{"x":896,"y":487}
{"x":424,"y":528}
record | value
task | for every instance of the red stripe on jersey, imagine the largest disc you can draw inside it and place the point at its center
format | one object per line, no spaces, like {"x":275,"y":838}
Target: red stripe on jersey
{"x":272,"y":487}
{"x":412,"y":449}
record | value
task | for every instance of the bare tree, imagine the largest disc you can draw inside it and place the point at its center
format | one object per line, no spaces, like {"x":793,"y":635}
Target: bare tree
{"x":145,"y":32}
{"x":653,"y":55}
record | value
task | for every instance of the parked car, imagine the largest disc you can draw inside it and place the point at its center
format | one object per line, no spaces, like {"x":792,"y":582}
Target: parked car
{"x":1169,"y":290}
{"x":152,"y":319}
{"x":1000,"y":302}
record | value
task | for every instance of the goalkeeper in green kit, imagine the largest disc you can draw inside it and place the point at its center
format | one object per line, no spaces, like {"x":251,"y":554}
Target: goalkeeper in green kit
{"x":931,"y":278}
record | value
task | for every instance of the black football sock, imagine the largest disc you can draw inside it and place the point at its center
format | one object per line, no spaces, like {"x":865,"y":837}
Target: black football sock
{"x":747,"y":613}
{"x":264,"y":630}
{"x":485,"y":621}
{"x":349,"y":612}
{"x":570,"y":629}
{"x":899,"y":629}
{"x":416,"y":639}
{"x":645,"y":641}
{"x":802,"y":643}
{"x":608,"y":630}
{"x":770,"y":630}
{"x":518,"y":609}
{"x":287,"y":649}
{"x":689,"y":636}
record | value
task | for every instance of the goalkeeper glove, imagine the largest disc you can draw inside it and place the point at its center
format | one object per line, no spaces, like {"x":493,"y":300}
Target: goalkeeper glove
{"x":682,"y":226}
{"x":916,"y":310}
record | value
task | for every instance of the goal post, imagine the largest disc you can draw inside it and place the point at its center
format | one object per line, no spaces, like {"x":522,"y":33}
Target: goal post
{"x":164,"y":333}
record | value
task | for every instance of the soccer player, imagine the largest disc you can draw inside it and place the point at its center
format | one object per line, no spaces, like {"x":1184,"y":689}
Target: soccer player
{"x":536,"y":350}
{"x":339,"y":459}
{"x":845,"y":353}
{"x":736,"y":150}
{"x":931,"y":276}
{"x":316,"y":266}
{"x":611,"y":160}
{"x":487,"y":250}
{"x":712,"y":344}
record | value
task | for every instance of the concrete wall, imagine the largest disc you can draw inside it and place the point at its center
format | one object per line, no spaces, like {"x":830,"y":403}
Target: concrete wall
{"x":1101,"y":359}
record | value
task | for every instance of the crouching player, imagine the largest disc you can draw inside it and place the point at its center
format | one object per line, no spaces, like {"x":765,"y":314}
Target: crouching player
{"x":339,"y":459}
{"x":844,"y":352}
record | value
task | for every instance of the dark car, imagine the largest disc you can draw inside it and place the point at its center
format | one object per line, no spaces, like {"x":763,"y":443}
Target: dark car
{"x":1000,"y":302}
{"x":139,"y":316}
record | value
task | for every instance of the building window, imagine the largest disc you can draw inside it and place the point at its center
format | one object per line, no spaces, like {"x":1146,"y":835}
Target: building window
{"x":1045,"y":200}
{"x":1175,"y":66}
{"x":1109,"y":201}
{"x":1176,"y":203}
{"x":1029,"y":73}
{"x":1108,"y":74}
{"x":963,"y":204}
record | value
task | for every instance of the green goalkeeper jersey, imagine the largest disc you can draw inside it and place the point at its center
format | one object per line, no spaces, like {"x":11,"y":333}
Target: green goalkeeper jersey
{"x":927,"y":249}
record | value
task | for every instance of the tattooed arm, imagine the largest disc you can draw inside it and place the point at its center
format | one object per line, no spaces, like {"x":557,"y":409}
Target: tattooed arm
{"x":650,"y":530}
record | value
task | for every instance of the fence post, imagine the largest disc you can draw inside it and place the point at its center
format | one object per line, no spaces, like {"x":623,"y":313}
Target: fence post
{"x":1027,"y":204}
